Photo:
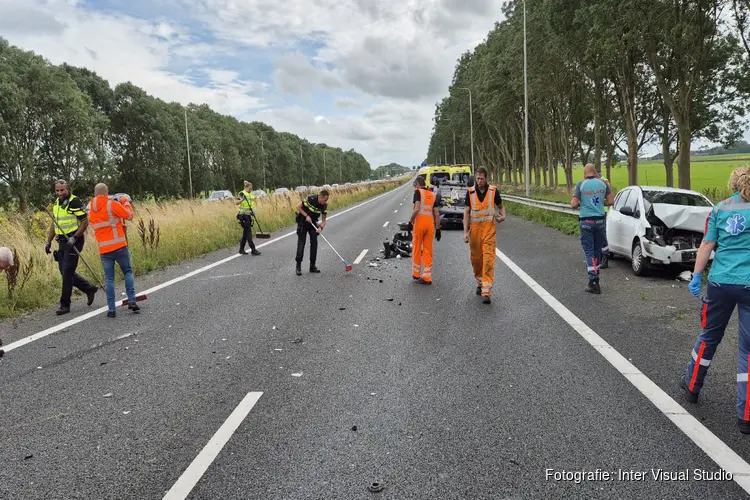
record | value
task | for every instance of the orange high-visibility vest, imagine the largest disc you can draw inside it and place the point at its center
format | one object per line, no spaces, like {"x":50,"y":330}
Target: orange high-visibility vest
{"x":483,"y":211}
{"x":426,"y":203}
{"x":105,"y":217}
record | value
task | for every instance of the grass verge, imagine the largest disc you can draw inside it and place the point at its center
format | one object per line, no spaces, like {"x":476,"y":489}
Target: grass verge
{"x":160,"y":235}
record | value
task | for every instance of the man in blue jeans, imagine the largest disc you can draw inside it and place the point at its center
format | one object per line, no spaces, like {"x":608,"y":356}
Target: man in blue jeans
{"x":590,"y":197}
{"x":105,"y":217}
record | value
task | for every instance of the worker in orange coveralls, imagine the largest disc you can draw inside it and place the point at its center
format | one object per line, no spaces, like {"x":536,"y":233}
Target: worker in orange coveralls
{"x":426,"y":225}
{"x":480,"y":216}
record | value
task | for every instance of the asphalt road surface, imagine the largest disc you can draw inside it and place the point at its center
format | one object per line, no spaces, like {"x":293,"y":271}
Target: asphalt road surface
{"x":245,"y":381}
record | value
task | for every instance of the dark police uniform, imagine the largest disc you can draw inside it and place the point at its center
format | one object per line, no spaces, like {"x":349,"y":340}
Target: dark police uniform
{"x":315,"y":210}
{"x":69,"y":214}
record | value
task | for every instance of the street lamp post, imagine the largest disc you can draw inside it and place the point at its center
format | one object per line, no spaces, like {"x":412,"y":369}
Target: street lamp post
{"x":262,"y":149}
{"x":301,"y":165}
{"x":190,"y":170}
{"x":525,"y":103}
{"x":471,"y":127}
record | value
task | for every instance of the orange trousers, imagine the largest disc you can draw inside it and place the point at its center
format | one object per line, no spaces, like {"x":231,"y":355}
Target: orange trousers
{"x":482,"y":250}
{"x":421,"y":247}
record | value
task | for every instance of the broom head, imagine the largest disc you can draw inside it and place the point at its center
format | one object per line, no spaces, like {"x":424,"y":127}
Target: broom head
{"x":138,"y":298}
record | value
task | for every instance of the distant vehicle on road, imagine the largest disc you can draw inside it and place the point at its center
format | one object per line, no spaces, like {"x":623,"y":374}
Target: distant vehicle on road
{"x":224,"y":194}
{"x":657,"y":226}
{"x":452,"y":203}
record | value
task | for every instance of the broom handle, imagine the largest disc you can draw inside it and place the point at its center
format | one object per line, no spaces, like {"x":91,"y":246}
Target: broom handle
{"x":329,"y":243}
{"x":77,"y":252}
{"x":252,"y":212}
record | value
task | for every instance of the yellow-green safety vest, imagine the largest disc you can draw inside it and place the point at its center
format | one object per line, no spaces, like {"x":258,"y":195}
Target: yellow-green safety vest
{"x":310,"y":208}
{"x":66,"y":218}
{"x":247,"y":204}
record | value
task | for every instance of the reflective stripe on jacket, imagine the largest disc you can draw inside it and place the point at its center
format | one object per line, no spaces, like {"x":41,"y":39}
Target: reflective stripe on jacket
{"x":105,"y":217}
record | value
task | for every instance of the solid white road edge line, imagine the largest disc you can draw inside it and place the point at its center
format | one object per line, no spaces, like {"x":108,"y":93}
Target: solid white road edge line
{"x":386,"y":223}
{"x":360,"y":256}
{"x":706,"y":440}
{"x":78,"y":319}
{"x":187,"y":481}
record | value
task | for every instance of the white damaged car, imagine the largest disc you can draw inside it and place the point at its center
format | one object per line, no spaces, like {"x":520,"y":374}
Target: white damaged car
{"x":657,"y":226}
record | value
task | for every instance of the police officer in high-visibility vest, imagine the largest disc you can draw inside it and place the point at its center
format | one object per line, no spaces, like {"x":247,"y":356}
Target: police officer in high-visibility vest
{"x":728,"y":234}
{"x":484,"y":207}
{"x":605,"y":244}
{"x":71,"y":218}
{"x":245,"y":214}
{"x":425,"y":220}
{"x":308,"y":211}
{"x":590,"y":197}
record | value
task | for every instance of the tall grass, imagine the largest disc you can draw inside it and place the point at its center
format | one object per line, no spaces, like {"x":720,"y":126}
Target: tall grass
{"x":160,"y":235}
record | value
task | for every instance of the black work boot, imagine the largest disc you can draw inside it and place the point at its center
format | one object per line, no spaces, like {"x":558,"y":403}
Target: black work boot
{"x":479,"y":290}
{"x":90,"y":295}
{"x":242,"y":250}
{"x":299,"y":269}
{"x":744,"y":426}
{"x":593,"y":287}
{"x":314,"y":269}
{"x":63,"y":310}
{"x":255,"y":252}
{"x":691,"y":396}
{"x":133,"y":307}
{"x":605,"y":262}
{"x":486,"y":299}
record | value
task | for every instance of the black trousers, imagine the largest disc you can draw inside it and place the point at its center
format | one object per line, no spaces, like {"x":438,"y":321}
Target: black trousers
{"x":303,"y":229}
{"x":247,"y":231}
{"x":67,"y":263}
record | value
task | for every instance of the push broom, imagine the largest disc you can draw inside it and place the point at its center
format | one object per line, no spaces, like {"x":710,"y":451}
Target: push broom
{"x":261,"y":235}
{"x":348,"y":266}
{"x":138,"y":298}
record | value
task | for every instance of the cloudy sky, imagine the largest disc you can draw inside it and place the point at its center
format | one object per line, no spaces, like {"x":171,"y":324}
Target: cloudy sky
{"x":362,"y":74}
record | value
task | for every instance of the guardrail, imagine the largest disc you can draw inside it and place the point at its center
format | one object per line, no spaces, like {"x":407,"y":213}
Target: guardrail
{"x":546,"y":205}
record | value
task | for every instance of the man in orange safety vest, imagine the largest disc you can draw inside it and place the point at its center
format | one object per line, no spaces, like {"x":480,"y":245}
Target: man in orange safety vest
{"x":426,"y":225}
{"x":482,"y":202}
{"x":105,"y":217}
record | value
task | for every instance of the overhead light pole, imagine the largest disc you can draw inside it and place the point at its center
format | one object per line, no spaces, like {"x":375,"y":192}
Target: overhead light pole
{"x":525,"y":103}
{"x":471,"y":127}
{"x":263,"y":150}
{"x":187,"y":141}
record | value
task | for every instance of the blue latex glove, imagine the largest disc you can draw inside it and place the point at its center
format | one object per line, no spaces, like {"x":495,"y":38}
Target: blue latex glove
{"x":696,"y":284}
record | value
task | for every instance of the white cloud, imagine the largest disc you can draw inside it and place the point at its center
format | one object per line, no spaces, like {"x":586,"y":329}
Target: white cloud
{"x":398,"y":54}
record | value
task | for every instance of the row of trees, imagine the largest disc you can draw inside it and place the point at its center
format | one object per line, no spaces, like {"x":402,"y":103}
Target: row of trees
{"x":602,"y":75}
{"x":67,"y":122}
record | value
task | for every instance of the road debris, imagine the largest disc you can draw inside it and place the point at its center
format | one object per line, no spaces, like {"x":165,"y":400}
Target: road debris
{"x":108,"y":395}
{"x":28,"y":457}
{"x":297,"y":374}
{"x":297,"y":341}
{"x":685,"y":276}
{"x":376,"y":487}
{"x":354,"y":428}
{"x":343,"y":308}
